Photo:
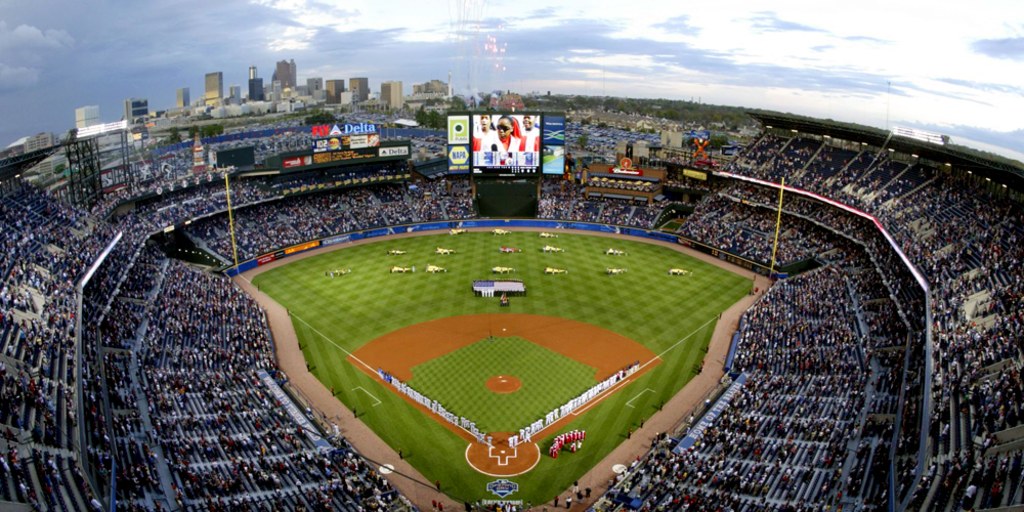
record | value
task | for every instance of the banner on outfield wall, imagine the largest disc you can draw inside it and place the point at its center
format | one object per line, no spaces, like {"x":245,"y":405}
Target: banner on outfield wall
{"x":266,"y":258}
{"x":334,"y":240}
{"x":697,"y":431}
{"x":302,"y":247}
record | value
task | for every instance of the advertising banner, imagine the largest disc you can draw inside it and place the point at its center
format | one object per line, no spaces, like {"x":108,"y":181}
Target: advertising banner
{"x":458,"y":130}
{"x":341,"y":156}
{"x":394,"y":151}
{"x":458,"y":158}
{"x":302,"y":247}
{"x":554,"y":130}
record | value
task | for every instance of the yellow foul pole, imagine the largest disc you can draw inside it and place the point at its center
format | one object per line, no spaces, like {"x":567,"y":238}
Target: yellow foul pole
{"x":778,"y":224}
{"x":231,"y":221}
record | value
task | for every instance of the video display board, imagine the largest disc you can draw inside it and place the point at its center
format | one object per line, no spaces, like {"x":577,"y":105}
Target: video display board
{"x":506,"y":144}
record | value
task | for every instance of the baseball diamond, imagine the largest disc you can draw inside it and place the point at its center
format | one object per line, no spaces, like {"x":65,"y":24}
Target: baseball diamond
{"x":434,"y":336}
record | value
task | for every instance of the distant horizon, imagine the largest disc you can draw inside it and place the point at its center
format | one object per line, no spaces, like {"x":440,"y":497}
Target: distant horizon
{"x":939,"y":67}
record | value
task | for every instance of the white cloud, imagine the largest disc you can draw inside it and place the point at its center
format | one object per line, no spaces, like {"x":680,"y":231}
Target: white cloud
{"x":28,"y":38}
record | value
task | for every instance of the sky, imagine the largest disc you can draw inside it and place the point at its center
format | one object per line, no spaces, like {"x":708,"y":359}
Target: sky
{"x":956,"y":68}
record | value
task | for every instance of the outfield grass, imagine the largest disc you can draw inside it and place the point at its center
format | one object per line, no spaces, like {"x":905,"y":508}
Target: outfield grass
{"x":458,"y":378}
{"x":672,"y":316}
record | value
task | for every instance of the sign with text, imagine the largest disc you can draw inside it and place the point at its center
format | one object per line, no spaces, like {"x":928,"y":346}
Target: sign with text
{"x":458,"y":158}
{"x":458,"y":130}
{"x":394,"y":151}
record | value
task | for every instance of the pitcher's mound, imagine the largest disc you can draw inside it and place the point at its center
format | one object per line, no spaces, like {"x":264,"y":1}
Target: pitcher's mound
{"x":503,"y":384}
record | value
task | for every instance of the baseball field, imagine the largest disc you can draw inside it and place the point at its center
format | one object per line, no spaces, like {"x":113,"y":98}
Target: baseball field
{"x":502,"y":368}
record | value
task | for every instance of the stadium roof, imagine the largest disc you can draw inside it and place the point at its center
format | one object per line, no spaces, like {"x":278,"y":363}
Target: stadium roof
{"x":994,"y":167}
{"x":12,"y":166}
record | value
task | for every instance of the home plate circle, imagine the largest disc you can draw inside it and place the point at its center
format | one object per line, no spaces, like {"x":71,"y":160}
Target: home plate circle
{"x":618,"y":469}
{"x":386,"y":469}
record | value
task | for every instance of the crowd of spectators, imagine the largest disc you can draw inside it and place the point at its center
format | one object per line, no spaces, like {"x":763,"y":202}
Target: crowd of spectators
{"x":834,"y":357}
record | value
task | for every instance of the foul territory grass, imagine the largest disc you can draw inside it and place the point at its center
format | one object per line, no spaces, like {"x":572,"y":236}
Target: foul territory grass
{"x":672,"y":316}
{"x":458,"y":380}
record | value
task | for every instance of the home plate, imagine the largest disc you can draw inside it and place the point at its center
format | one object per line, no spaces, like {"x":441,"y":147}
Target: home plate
{"x":387,"y":469}
{"x":618,"y":469}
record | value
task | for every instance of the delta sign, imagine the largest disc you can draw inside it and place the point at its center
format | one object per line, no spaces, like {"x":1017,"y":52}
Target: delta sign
{"x":326,"y":130}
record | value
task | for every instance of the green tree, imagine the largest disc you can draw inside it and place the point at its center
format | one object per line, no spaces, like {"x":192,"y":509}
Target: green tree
{"x":435,"y":120}
{"x":175,"y":136}
{"x":581,"y":141}
{"x":421,"y":116}
{"x":319,"y":117}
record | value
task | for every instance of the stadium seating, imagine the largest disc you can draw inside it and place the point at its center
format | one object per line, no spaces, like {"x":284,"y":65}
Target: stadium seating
{"x":832,"y":408}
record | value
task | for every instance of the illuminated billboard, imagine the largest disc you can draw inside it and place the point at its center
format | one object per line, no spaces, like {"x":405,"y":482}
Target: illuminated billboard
{"x":506,"y":144}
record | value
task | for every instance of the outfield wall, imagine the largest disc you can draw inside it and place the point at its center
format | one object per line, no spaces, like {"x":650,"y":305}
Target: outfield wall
{"x":494,"y":223}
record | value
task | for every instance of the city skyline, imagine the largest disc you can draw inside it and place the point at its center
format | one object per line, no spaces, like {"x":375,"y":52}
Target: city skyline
{"x":944,"y":67}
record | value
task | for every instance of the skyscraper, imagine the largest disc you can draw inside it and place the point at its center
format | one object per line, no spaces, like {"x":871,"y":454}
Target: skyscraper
{"x":360,"y":88}
{"x":315,"y":88}
{"x":285,"y":73}
{"x":235,"y":95}
{"x":256,"y":89}
{"x":334,"y":90}
{"x":183,"y":98}
{"x":214,"y":88}
{"x":255,"y":85}
{"x":391,"y":94}
{"x":87,"y":116}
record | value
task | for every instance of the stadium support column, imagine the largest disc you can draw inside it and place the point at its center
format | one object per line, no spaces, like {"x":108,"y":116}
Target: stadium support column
{"x":778,"y":224}
{"x":231,"y":220}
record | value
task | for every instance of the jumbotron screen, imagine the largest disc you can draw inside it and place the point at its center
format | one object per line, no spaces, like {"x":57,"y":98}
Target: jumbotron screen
{"x":506,"y":144}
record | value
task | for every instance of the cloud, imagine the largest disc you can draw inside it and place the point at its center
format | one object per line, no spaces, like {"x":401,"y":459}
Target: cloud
{"x":26,"y":38}
{"x":13,"y":78}
{"x":679,"y":25}
{"x":768,"y":22}
{"x":983,"y":86}
{"x":1011,"y":48}
{"x":865,"y":39}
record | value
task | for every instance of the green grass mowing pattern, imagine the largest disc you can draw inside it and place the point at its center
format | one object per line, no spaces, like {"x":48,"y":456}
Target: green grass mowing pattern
{"x":458,"y":379}
{"x":644,"y":304}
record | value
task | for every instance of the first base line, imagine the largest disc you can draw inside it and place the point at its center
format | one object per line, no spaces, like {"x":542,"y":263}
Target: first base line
{"x":630,"y":402}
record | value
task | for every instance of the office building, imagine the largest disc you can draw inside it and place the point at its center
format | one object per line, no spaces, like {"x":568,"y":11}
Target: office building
{"x":214,"y":88}
{"x":391,"y":95}
{"x":38,"y":141}
{"x":136,"y":110}
{"x":87,"y":116}
{"x":360,"y":88}
{"x":252,"y":72}
{"x":431,"y":87}
{"x":183,"y":98}
{"x":285,"y":73}
{"x":315,"y":88}
{"x":334,"y":89}
{"x":256,"y":89}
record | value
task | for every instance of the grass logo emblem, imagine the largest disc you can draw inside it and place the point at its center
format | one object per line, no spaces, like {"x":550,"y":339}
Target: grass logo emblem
{"x":502,"y":488}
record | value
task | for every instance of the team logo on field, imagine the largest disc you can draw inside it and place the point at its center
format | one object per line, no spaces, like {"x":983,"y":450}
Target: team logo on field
{"x":502,"y":488}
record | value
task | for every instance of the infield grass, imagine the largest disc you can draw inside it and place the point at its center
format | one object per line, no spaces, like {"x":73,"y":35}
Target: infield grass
{"x":548,"y":379}
{"x":673,"y":316}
